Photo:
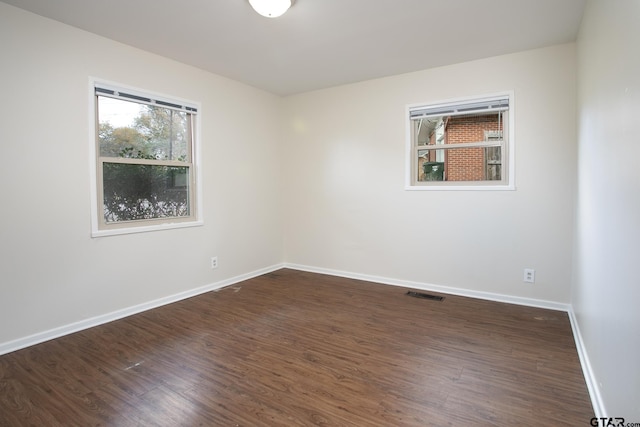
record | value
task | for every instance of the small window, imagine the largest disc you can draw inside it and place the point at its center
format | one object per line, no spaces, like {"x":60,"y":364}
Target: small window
{"x":145,"y":175}
{"x":461,"y":145}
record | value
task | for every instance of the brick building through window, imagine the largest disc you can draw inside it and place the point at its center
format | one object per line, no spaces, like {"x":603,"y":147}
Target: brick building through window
{"x":472,"y":164}
{"x":463,"y":142}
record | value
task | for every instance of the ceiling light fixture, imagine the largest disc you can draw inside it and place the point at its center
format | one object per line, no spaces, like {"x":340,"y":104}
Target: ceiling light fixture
{"x":270,"y":8}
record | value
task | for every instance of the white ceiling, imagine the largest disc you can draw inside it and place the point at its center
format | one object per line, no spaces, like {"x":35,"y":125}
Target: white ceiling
{"x":321,"y":43}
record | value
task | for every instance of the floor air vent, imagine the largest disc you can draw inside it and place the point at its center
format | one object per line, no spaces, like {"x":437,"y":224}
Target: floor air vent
{"x":425,"y":296}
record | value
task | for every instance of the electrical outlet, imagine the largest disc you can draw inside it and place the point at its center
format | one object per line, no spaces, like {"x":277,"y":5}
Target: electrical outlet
{"x":214,"y":262}
{"x":529,"y":275}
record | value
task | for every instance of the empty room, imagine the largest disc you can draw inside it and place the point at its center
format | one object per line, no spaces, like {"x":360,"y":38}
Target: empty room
{"x":319,"y":212}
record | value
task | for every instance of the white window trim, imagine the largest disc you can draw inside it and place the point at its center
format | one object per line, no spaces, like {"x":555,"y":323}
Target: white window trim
{"x":158,"y":224}
{"x":463,"y":185}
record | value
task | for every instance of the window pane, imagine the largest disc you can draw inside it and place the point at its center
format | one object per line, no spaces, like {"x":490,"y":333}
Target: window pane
{"x":134,"y":192}
{"x":138,"y":131}
{"x":460,"y":164}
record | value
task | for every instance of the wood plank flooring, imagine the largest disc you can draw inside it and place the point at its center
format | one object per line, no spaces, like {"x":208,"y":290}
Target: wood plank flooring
{"x":296,"y":349}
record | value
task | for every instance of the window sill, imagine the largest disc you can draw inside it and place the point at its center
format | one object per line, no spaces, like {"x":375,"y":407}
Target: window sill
{"x":458,"y":187}
{"x":146,"y":228}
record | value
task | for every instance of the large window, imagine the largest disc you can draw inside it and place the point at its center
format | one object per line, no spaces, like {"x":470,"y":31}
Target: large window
{"x":145,"y":170}
{"x":464,"y":144}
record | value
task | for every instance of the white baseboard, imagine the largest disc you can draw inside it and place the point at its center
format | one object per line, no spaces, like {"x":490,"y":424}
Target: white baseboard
{"x":552,"y":305}
{"x":589,"y":375}
{"x":20,"y":343}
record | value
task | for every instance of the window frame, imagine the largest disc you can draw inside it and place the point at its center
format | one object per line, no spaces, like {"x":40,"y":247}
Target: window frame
{"x":99,"y":227}
{"x":508,"y":156}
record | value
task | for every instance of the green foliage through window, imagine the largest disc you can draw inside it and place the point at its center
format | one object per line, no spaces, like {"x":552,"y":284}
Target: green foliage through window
{"x":145,"y":160}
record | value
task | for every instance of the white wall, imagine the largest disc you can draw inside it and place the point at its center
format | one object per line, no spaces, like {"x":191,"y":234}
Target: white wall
{"x":606,"y":289}
{"x":347,"y":210}
{"x":52,"y":272}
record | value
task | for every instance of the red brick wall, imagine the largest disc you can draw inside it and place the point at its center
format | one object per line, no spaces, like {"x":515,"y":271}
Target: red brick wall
{"x":467,"y":164}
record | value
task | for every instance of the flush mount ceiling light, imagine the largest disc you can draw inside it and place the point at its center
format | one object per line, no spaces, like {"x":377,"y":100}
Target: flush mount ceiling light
{"x":270,"y":8}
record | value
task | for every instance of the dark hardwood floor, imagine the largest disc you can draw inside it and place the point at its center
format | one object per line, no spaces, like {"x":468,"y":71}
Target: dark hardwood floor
{"x":293,"y":348}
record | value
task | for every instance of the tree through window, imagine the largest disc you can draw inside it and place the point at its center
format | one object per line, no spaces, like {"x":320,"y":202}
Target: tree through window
{"x":145,"y":159}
